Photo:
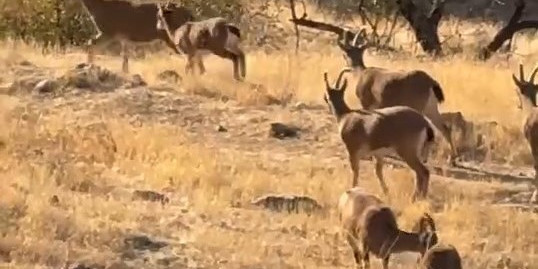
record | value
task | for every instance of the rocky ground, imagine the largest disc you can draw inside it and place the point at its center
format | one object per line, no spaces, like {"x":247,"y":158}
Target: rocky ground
{"x":115,"y":173}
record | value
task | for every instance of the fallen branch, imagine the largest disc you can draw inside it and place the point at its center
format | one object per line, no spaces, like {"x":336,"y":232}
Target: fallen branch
{"x":507,"y":32}
{"x":322,"y":26}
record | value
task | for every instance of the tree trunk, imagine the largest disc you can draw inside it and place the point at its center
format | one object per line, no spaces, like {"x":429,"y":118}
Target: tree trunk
{"x":424,"y":25}
{"x":508,"y":31}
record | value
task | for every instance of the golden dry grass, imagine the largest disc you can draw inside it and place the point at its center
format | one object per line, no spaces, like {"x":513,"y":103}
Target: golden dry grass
{"x":202,"y":224}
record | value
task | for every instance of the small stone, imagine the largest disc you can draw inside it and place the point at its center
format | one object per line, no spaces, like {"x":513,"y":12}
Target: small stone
{"x":137,"y":81}
{"x":169,"y":76}
{"x":281,"y":131}
{"x":142,"y":242}
{"x":45,"y":86}
{"x":151,"y":196}
{"x":54,"y":200}
{"x":300,"y":105}
{"x":221,"y":129}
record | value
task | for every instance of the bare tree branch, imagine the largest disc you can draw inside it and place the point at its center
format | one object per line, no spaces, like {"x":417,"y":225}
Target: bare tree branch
{"x":294,"y":17}
{"x":508,"y":31}
{"x":424,"y":25}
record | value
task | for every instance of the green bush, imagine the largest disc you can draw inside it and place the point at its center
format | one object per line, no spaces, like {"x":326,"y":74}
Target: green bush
{"x":61,"y":23}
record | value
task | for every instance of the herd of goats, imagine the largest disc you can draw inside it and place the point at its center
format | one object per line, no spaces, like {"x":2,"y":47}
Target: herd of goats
{"x":399,"y":114}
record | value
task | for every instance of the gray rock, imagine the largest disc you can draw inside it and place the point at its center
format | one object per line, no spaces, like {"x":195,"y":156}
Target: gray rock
{"x":289,"y":202}
{"x":281,"y":130}
{"x":46,"y":86}
{"x":151,"y":196}
{"x":169,"y":76}
{"x":221,"y":129}
{"x":142,"y":242}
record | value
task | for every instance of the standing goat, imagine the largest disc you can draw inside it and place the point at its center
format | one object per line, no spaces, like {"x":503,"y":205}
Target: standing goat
{"x":441,"y":257}
{"x":526,"y":90}
{"x":123,"y":21}
{"x":379,"y":87}
{"x":216,"y":35}
{"x":371,"y":225}
{"x":380,"y":132}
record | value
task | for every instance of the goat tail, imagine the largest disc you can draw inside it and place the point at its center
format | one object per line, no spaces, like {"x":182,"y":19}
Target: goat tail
{"x":234,"y":30}
{"x":436,"y":88}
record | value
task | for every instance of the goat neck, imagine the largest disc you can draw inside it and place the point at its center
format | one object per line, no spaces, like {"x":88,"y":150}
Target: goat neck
{"x":526,"y":104}
{"x":405,"y":241}
{"x":339,"y":108}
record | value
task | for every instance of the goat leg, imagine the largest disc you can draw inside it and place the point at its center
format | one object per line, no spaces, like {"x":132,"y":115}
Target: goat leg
{"x":200,"y":64}
{"x":365,"y":255}
{"x":534,"y":196}
{"x":354,"y":163}
{"x":379,"y":172}
{"x":189,"y":67}
{"x":351,"y":240}
{"x":125,"y":57}
{"x":241,"y":57}
{"x":386,"y":262}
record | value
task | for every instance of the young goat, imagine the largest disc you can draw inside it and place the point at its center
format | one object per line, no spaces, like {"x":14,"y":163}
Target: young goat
{"x":526,"y":91}
{"x":194,"y":39}
{"x":128,"y":23}
{"x":379,"y":87}
{"x":441,"y":257}
{"x":371,"y":227}
{"x":379,"y":132}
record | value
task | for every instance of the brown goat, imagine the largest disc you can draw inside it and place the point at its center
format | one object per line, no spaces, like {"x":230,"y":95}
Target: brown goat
{"x":121,"y":20}
{"x":379,"y":87}
{"x":194,"y":39}
{"x":379,"y":132}
{"x":441,"y":257}
{"x":371,"y":227}
{"x":526,"y":90}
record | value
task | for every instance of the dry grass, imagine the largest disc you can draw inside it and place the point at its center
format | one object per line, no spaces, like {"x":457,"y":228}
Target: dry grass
{"x":93,"y":171}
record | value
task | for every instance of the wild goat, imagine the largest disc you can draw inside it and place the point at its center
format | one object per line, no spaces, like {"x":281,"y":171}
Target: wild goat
{"x":441,"y":257}
{"x":371,"y":227}
{"x":123,"y":21}
{"x":526,"y":90}
{"x":379,"y":132}
{"x":216,"y":35}
{"x":379,"y":87}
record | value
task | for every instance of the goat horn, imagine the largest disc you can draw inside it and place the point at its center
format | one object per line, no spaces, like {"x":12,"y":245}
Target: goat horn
{"x":531,"y":79}
{"x":325,"y":76}
{"x":344,"y":36}
{"x":355,"y":39}
{"x":521,"y":75}
{"x":345,"y":70}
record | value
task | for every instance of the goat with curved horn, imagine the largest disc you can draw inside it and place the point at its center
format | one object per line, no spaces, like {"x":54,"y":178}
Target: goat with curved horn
{"x":526,"y":91}
{"x":216,"y":35}
{"x":371,"y":227}
{"x":371,"y":133}
{"x":379,"y":87}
